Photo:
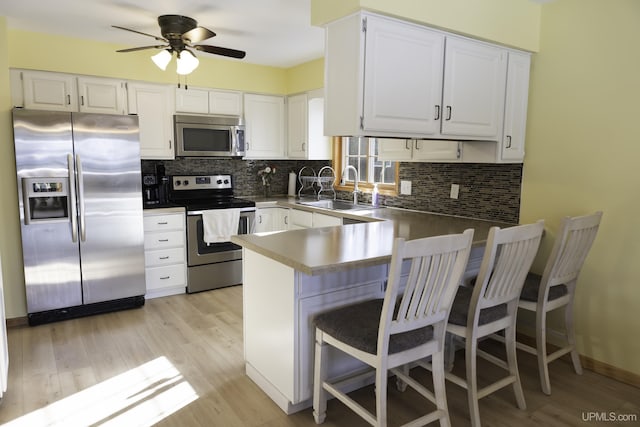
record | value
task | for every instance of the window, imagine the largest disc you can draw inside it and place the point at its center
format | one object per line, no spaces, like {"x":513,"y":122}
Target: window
{"x":362,"y":154}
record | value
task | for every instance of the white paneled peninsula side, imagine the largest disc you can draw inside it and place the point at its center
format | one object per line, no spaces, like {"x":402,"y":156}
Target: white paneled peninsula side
{"x":291,"y":276}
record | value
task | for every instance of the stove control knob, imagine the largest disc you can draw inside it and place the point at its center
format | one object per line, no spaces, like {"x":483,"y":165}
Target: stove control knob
{"x":226,"y":181}
{"x":219,"y":181}
{"x":177,"y":183}
{"x":186,"y":182}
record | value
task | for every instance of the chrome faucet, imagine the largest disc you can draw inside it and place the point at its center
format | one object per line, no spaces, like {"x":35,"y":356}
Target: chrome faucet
{"x":345,"y":173}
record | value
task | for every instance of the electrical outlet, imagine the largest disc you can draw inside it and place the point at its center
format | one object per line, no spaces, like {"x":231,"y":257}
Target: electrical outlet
{"x":405,"y":187}
{"x":455,"y":190}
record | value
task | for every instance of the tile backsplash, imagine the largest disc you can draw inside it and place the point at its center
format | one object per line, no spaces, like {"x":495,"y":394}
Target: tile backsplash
{"x":246,"y":181}
{"x":487,"y":191}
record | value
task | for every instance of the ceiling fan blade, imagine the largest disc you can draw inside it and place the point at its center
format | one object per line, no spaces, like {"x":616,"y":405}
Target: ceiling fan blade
{"x":216,"y":50}
{"x":133,"y":49}
{"x":198,"y":34}
{"x":161,"y":39}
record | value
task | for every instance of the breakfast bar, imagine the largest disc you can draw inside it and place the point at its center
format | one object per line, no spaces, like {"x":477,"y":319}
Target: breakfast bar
{"x":291,"y":276}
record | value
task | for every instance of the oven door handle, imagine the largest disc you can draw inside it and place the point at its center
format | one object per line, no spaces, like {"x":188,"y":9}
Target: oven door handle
{"x":242,"y":210}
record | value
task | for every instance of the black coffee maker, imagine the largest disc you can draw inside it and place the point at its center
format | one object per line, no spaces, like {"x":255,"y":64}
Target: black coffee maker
{"x":150,"y":190}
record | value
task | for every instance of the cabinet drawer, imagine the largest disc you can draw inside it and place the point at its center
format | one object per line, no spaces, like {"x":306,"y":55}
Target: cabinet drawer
{"x":162,"y":240}
{"x":164,"y":257}
{"x":167,"y":276}
{"x":164,"y":222}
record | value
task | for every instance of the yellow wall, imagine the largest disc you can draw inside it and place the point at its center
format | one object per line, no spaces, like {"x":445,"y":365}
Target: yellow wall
{"x":64,"y":54}
{"x":304,"y":77}
{"x":510,"y":22}
{"x":10,"y":243}
{"x":582,"y":155}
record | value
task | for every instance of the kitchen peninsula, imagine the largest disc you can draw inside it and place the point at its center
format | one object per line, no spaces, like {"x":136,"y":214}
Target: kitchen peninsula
{"x":291,"y":276}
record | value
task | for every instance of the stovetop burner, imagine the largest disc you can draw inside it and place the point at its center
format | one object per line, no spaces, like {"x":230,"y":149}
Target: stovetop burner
{"x":201,"y":192}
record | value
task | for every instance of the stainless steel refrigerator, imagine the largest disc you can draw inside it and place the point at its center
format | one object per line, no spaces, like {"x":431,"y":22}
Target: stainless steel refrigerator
{"x":80,"y":197}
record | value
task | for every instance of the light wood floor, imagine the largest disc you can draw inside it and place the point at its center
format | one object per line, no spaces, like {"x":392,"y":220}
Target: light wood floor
{"x":178,"y":362}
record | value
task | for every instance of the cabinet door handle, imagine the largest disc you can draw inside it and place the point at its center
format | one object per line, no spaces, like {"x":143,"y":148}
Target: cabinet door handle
{"x":163,"y":257}
{"x":406,"y":145}
{"x":286,"y":220}
{"x":165,"y":278}
{"x":81,"y":99}
{"x":448,"y":112}
{"x":437,"y":113}
{"x":68,"y":99}
{"x":459,"y":151}
{"x":259,"y":219}
{"x":163,"y":240}
{"x":508,"y":141}
{"x":163,"y":223}
{"x":169,"y":144}
{"x":415,"y":144}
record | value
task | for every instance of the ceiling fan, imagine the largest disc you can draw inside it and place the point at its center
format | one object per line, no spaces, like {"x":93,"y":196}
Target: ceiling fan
{"x":180,"y":33}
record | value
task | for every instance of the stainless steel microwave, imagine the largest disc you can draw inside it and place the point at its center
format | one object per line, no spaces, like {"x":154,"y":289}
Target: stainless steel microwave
{"x":209,"y":136}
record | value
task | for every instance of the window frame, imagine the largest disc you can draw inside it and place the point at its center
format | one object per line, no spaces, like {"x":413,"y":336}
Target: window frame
{"x":365,"y":187}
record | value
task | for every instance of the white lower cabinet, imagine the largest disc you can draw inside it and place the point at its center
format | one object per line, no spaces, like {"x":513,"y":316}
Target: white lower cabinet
{"x":323,"y":220}
{"x":300,"y":219}
{"x":271,"y":219}
{"x":165,"y":252}
{"x":279,"y":343}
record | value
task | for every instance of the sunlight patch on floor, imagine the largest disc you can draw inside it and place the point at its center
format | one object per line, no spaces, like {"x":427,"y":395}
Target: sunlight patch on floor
{"x":139,"y":397}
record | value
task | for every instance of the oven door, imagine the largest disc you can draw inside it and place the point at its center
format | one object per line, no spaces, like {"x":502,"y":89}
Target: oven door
{"x":201,"y":253}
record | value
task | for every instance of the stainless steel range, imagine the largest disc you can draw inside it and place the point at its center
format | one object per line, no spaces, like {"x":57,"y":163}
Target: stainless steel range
{"x":218,"y":264}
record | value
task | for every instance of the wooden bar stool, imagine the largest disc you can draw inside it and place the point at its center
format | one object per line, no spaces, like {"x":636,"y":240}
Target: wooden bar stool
{"x":556,"y":288}
{"x":491,"y":306}
{"x":388,"y":333}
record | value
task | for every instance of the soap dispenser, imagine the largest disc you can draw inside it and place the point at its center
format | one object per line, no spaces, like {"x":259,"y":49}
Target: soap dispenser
{"x":374,"y":195}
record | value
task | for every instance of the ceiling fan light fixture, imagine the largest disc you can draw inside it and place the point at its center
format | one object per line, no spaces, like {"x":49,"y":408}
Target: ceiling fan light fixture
{"x":162,"y":58}
{"x":186,"y":62}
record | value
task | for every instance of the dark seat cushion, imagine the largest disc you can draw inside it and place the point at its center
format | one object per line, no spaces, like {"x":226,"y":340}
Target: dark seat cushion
{"x":532,"y":287}
{"x":460,"y":309}
{"x":357,"y":325}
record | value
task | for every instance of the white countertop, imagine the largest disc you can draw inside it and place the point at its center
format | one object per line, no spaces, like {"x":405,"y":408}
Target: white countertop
{"x":319,"y":250}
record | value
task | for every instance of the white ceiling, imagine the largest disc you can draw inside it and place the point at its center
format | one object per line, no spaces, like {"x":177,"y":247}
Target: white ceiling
{"x":272,"y":32}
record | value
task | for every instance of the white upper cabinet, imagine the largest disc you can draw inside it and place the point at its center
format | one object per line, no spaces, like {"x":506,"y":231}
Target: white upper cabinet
{"x":305,"y":130}
{"x":43,"y":90}
{"x":265,"y":126}
{"x":49,"y":91}
{"x":515,"y":116}
{"x":297,"y":126}
{"x":419,"y":150}
{"x":192,"y":101}
{"x":99,"y":95}
{"x":402,"y":78}
{"x":208,"y":101}
{"x":386,"y":77}
{"x":153,"y":103}
{"x":225,"y":102}
{"x":473,"y":92}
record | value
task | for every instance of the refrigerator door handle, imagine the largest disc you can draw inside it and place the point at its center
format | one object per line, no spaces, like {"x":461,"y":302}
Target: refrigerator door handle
{"x":72,"y":197}
{"x":83,"y":230}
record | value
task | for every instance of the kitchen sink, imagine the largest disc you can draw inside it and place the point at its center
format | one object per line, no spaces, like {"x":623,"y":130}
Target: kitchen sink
{"x":338,"y":205}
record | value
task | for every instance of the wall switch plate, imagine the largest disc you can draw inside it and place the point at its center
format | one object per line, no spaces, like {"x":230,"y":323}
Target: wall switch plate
{"x":405,"y":187}
{"x":455,"y":190}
